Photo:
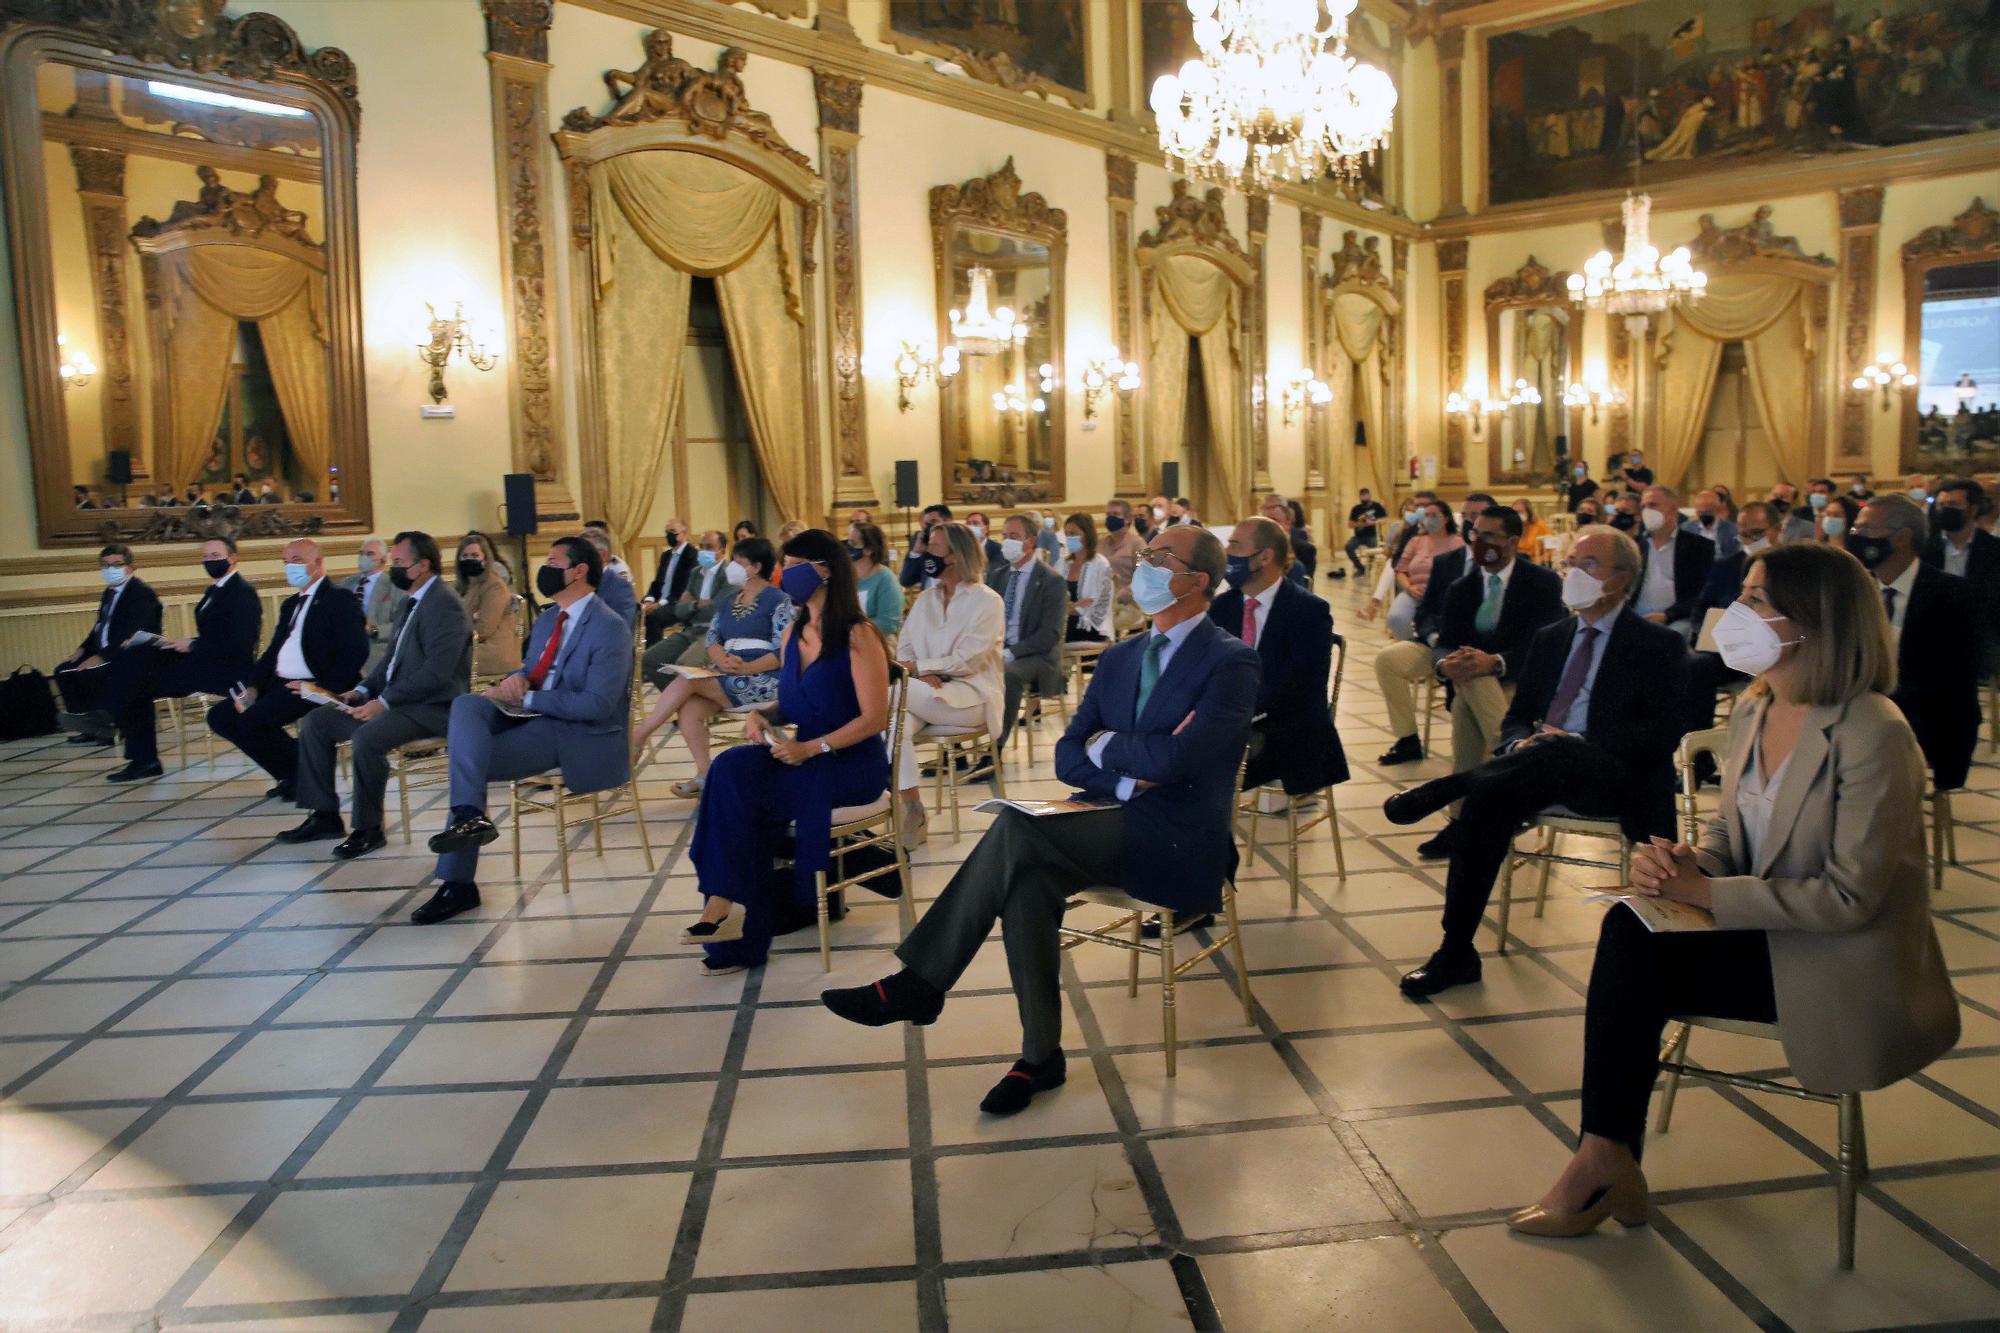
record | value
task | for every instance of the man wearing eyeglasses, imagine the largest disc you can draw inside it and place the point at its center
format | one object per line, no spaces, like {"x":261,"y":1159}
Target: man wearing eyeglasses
{"x":1156,"y":741}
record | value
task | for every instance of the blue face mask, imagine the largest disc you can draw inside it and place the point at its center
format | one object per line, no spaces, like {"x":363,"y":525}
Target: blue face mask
{"x":1237,"y":570}
{"x":1152,"y":588}
{"x":705,"y":558}
{"x":1816,"y":500}
{"x":1836,"y":528}
{"x":1048,"y":520}
{"x":1073,"y":542}
{"x":800,"y":582}
{"x":113,"y":575}
{"x":297,"y":574}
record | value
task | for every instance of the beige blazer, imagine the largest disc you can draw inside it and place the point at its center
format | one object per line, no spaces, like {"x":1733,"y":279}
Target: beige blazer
{"x":496,"y":644}
{"x":1840,"y":890}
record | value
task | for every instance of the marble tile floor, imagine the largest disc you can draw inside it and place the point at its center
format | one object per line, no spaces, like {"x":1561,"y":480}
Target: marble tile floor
{"x":238,"y":1090}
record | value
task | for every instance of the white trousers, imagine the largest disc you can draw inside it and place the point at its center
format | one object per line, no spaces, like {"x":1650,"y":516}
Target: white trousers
{"x":925,"y":706}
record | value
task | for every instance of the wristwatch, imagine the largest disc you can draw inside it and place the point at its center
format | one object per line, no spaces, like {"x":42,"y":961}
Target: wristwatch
{"x":824,"y":748}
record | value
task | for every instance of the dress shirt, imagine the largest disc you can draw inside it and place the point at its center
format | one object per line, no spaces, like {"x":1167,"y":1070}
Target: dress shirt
{"x":110,"y":610}
{"x":368,"y":590}
{"x":292,"y":656}
{"x":1577,"y":720}
{"x":1957,"y":557}
{"x":1262,"y":601}
{"x":673,"y":563}
{"x":1175,"y":637}
{"x":1015,"y":596}
{"x":706,"y":593}
{"x":409,"y":614}
{"x":1903,"y":584}
{"x":576,"y":610}
{"x":1657,"y":593}
{"x":1755,"y":798}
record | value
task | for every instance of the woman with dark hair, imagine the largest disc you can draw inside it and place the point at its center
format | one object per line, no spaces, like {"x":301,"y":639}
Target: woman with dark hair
{"x":1437,"y":534}
{"x":780,"y":791}
{"x":742,"y":652}
{"x":482,"y":586}
{"x":1088,"y":575}
{"x":744,"y":531}
{"x":874,"y":582}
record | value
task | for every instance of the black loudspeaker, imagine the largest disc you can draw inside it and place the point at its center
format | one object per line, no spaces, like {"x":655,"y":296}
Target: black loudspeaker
{"x":520,"y":488}
{"x":906,"y":483}
{"x":1360,"y":435}
{"x":1170,"y":480}
{"x":118,"y":467}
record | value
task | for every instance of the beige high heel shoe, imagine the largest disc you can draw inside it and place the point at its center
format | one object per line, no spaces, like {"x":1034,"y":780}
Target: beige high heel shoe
{"x":1624,"y":1198}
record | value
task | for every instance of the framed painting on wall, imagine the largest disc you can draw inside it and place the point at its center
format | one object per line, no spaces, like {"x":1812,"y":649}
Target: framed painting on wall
{"x":1039,"y":46}
{"x":1697,"y":88}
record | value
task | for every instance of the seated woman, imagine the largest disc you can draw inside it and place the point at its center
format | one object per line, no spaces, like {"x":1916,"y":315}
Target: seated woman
{"x":482,"y":586}
{"x":1837,"y":520}
{"x":742,"y":646}
{"x":1813,"y":868}
{"x":881,"y":595}
{"x":1088,"y":575}
{"x":950,"y":644}
{"x":1436,"y":535}
{"x":780,"y":792}
{"x":1532,"y":530}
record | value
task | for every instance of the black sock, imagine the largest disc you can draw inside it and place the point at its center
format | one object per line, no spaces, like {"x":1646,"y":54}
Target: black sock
{"x":907,"y":989}
{"x":461,"y":813}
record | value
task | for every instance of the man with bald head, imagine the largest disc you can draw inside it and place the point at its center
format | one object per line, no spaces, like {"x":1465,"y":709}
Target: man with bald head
{"x":321,"y":637}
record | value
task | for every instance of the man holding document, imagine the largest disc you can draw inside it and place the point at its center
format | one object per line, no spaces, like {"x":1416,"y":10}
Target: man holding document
{"x":407,"y":697}
{"x":1156,"y":740}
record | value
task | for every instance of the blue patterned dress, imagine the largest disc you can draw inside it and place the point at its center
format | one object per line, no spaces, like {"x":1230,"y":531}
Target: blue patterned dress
{"x":763,"y":623}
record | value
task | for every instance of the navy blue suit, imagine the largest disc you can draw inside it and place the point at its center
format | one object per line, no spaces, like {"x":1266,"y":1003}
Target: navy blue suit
{"x":1297,"y":746}
{"x":616,"y":592}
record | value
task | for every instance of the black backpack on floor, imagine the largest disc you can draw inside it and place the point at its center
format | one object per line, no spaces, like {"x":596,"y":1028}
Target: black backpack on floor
{"x":27,"y":705}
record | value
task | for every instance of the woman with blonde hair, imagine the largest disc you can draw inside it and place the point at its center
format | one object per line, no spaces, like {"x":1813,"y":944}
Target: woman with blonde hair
{"x":1813,"y":871}
{"x":1532,"y":530}
{"x":482,"y":586}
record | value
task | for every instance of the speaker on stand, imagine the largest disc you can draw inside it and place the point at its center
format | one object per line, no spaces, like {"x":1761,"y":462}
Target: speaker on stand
{"x":522,"y":523}
{"x":1170,"y":480}
{"x":906,"y":496}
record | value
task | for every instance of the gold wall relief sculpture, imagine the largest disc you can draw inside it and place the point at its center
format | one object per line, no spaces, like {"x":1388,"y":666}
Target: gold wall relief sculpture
{"x":1120,"y":185}
{"x":1362,"y":312}
{"x":1949,"y":423}
{"x":517,"y":54}
{"x":1620,"y":366}
{"x":1860,"y":228}
{"x":839,"y":135}
{"x":1315,"y":322}
{"x":1451,"y":117}
{"x":1259,"y":339}
{"x":100,"y":186}
{"x":1451,"y":301}
{"x":1533,"y":354}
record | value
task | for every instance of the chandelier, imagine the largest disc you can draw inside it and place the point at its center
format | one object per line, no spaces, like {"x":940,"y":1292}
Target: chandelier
{"x":980,"y":331}
{"x":1269,"y":100}
{"x":1642,"y":282}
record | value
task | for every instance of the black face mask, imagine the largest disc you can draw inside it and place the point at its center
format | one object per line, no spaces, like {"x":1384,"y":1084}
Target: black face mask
{"x":1113,"y":523}
{"x":550,"y":581}
{"x":471,"y":569}
{"x":215,"y":569}
{"x":1870,"y":551}
{"x":1947,"y":519}
{"x":1624,"y":522}
{"x":933,"y":565}
{"x":400,"y":576}
{"x":856,"y":554}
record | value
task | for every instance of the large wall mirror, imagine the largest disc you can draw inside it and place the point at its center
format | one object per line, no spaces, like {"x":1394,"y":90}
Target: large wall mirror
{"x":184,"y":267}
{"x":1534,"y":350}
{"x":999,"y":253}
{"x":1952,"y":286}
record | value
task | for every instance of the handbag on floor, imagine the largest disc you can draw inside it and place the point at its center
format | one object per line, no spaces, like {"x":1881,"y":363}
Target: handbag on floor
{"x":27,"y":705}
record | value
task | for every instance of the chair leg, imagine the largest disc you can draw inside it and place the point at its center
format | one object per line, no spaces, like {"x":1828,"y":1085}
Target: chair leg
{"x":514,"y":805}
{"x":597,"y":822}
{"x":1548,"y":869}
{"x":999,"y":779}
{"x":1676,"y":1052}
{"x":1236,"y":948}
{"x":1292,"y":846}
{"x":1339,"y":848}
{"x":403,"y":796}
{"x":1256,"y":820}
{"x":1850,"y":1135}
{"x":906,"y":907}
{"x":1132,"y":958}
{"x":943,"y":756}
{"x":1506,"y":893}
{"x":1950,"y":828}
{"x":639,"y":818}
{"x":1937,"y":846}
{"x":825,"y":933}
{"x":1169,"y":1010}
{"x":951,"y":783}
{"x":562,"y":834}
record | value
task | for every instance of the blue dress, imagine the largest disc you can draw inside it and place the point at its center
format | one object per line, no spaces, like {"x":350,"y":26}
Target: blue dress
{"x":764,"y":622}
{"x":752,"y":801}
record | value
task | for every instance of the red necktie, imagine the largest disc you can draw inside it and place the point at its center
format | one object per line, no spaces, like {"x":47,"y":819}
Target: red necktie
{"x":548,"y":657}
{"x":1250,"y":621}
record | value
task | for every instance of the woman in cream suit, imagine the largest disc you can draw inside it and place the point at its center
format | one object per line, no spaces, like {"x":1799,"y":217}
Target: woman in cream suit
{"x":482,"y":586}
{"x":950,"y":645}
{"x":1813,"y":868}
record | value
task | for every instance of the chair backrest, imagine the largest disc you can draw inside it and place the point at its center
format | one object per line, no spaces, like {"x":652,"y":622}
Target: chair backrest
{"x":1714,"y":742}
{"x":1704,"y":642}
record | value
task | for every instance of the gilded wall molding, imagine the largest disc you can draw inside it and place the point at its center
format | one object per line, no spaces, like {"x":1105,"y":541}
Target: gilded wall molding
{"x":995,"y":66}
{"x":1198,"y":221}
{"x":1534,"y":283}
{"x":839,"y":100}
{"x":1315,"y":322}
{"x":1975,"y":232}
{"x":100,"y":186}
{"x":517,"y":33}
{"x":997,"y":200}
{"x":1971,"y":237}
{"x":1755,"y":239}
{"x":1451,"y":301}
{"x":1860,"y":234}
{"x":1260,"y":337}
{"x":1120,"y":188}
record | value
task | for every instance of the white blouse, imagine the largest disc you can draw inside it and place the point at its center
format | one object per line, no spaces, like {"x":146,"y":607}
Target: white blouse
{"x":1755,"y":798}
{"x":1093,"y":585}
{"x":962,"y":641}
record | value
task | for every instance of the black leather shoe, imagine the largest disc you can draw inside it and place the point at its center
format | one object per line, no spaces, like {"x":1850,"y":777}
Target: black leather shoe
{"x":135,"y":772}
{"x":1406,"y":750}
{"x":1421,"y":802}
{"x":1441,"y":846}
{"x":902,"y":998}
{"x":1336,"y":573}
{"x":281,"y":791}
{"x":1182,"y":925}
{"x":317,"y":826}
{"x":359,"y":843}
{"x":1012,"y":1094}
{"x":1440,"y":973}
{"x":452,"y":897}
{"x":94,"y":727}
{"x":95,"y":741}
{"x":474,"y":831}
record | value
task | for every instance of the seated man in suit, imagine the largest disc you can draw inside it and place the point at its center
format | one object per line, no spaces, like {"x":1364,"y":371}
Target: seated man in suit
{"x":1711,"y":524}
{"x":319,"y":638}
{"x":1292,"y":741}
{"x":406,"y":698}
{"x":685,"y":640}
{"x":1157,"y":736}
{"x":1961,"y":547}
{"x":1489,"y":618}
{"x":982,"y":532}
{"x":615,"y":590}
{"x":573,"y":680}
{"x":124,"y":608}
{"x":1675,"y":571}
{"x":380,"y":601}
{"x":1593,"y":726}
{"x":1037,"y":613}
{"x":1937,"y":622}
{"x":216,"y":660}
{"x":677,"y":562}
{"x":912,"y":575}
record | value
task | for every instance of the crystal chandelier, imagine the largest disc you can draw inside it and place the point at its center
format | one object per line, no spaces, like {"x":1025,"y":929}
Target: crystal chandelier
{"x":1270,"y":100}
{"x":978,"y":330}
{"x":1642,"y":282}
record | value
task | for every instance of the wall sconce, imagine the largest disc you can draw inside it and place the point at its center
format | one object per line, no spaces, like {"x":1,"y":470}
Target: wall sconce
{"x":1472,"y":409}
{"x":1303,"y":389}
{"x":1878,"y":378}
{"x":1105,"y":373}
{"x":450,"y":339}
{"x":914,"y":365}
{"x":1593,"y":396}
{"x":1524,"y":394}
{"x":75,"y":370}
{"x":1014,"y":400}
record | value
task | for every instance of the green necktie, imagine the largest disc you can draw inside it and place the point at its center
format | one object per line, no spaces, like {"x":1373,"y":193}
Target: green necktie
{"x":1149,"y":674}
{"x":1489,"y":610}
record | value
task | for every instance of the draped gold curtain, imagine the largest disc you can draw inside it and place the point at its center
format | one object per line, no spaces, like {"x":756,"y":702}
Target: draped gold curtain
{"x":206,"y":291}
{"x":664,"y":217}
{"x":1766,"y":312}
{"x":1198,"y":298}
{"x":1358,"y":352}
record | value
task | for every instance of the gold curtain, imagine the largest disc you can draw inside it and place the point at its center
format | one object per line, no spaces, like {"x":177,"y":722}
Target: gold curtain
{"x":1199,"y":298}
{"x":198,"y":340}
{"x":1222,"y":382}
{"x":1767,"y":313}
{"x":296,"y":350}
{"x":1166,"y":386}
{"x":663,"y":217}
{"x":1358,"y":360}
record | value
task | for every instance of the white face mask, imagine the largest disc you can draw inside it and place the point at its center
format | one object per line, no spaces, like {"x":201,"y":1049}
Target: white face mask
{"x":1582,"y":589}
{"x":1653,"y":519}
{"x":1159,"y":514}
{"x":1010,"y":549}
{"x":978,"y":531}
{"x":112,"y":574}
{"x":1747,"y":642}
{"x":735,"y":574}
{"x":1752,"y":548}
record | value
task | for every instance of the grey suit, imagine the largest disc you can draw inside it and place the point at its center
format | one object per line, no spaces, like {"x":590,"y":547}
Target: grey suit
{"x":1034,"y":654}
{"x":426,"y":665}
{"x":686,"y":643}
{"x":379,"y":609}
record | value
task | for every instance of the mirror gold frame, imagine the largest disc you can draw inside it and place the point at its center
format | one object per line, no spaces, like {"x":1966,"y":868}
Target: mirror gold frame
{"x":193,"y":44}
{"x":1973,"y":237}
{"x":1530,"y":287}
